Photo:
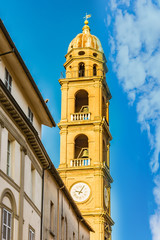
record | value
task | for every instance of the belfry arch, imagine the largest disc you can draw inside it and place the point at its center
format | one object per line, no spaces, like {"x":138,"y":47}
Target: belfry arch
{"x":81,"y":146}
{"x":81,"y":101}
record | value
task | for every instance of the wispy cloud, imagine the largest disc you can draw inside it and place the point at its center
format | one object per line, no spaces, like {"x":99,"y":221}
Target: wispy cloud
{"x":135,"y":44}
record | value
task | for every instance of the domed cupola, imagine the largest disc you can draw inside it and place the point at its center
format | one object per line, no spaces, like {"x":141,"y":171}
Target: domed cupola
{"x":85,"y":56}
{"x":85,"y":39}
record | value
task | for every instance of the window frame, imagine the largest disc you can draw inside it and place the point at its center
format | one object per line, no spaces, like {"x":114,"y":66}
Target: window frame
{"x":30,"y":115}
{"x":31,"y":233}
{"x":94,"y":70}
{"x":6,"y":224}
{"x":9,"y":156}
{"x":81,"y":69}
{"x":8,"y":80}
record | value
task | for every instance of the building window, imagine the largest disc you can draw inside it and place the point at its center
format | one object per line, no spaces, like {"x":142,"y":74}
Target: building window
{"x":9,"y":158}
{"x":81,"y":69}
{"x":94,"y":70}
{"x":51,"y":216}
{"x":8,"y":80}
{"x":30,"y":115}
{"x":31,"y":234}
{"x":6,"y":225}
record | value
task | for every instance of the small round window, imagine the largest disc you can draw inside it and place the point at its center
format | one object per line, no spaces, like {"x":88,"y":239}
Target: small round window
{"x":81,"y":53}
{"x":95,"y":54}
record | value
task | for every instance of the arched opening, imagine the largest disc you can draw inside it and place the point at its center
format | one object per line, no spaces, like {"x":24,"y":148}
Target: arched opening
{"x":7,"y":194}
{"x":81,"y":69}
{"x":94,"y":70}
{"x":8,"y":212}
{"x":81,"y":101}
{"x":103,"y":107}
{"x":81,"y":147}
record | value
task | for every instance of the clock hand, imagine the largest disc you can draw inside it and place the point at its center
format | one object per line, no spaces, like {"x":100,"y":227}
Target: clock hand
{"x":81,"y":190}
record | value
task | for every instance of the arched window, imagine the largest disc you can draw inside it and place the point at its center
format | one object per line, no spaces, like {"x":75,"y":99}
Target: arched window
{"x":94,"y":70}
{"x":81,"y":69}
{"x":81,"y":101}
{"x":81,"y":146}
{"x":8,"y":213}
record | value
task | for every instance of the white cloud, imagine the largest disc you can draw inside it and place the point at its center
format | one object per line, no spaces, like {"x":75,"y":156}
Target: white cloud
{"x":135,"y":43}
{"x":155,"y":219}
{"x":113,"y":5}
{"x":155,"y":225}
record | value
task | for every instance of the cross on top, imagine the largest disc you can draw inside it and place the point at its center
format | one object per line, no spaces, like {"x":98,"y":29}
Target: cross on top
{"x":87,"y":16}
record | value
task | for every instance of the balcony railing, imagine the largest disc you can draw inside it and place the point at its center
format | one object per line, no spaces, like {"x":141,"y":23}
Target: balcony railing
{"x":86,"y":73}
{"x":80,"y":162}
{"x":80,"y":116}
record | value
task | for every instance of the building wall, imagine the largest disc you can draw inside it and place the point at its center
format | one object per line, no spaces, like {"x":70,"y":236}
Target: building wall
{"x":19,"y":94}
{"x":66,"y":225}
{"x":20,"y":191}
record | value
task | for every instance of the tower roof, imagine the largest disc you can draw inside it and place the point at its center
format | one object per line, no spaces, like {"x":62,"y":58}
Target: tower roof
{"x":85,"y":39}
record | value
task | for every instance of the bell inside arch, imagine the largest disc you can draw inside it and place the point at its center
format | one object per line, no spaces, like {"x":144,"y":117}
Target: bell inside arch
{"x":84,"y":109}
{"x":85,"y":153}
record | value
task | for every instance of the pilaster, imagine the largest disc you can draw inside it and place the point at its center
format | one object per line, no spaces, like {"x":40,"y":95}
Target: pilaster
{"x":21,"y":195}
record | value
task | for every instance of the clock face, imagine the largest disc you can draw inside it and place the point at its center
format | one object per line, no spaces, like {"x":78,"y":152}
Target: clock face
{"x":106,"y":197}
{"x":80,"y":191}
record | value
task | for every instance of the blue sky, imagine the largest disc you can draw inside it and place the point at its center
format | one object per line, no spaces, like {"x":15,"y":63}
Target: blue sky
{"x":130,"y":34}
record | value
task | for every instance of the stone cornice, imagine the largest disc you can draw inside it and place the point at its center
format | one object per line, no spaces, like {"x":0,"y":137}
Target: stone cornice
{"x":97,"y":170}
{"x":10,"y":105}
{"x":103,"y":214}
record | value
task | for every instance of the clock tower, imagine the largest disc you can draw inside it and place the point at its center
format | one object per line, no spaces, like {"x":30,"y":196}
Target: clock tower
{"x":84,"y":132}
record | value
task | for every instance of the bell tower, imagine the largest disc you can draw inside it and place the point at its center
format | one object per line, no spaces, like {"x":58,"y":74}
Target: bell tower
{"x":84,"y":132}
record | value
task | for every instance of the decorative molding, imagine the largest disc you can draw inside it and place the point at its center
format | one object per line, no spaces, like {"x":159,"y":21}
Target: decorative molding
{"x":9,"y":180}
{"x":20,"y":119}
{"x":23,"y":149}
{"x":1,"y":123}
{"x":24,"y":145}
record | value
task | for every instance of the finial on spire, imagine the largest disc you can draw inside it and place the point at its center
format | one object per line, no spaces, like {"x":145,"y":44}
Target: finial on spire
{"x":86,"y":17}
